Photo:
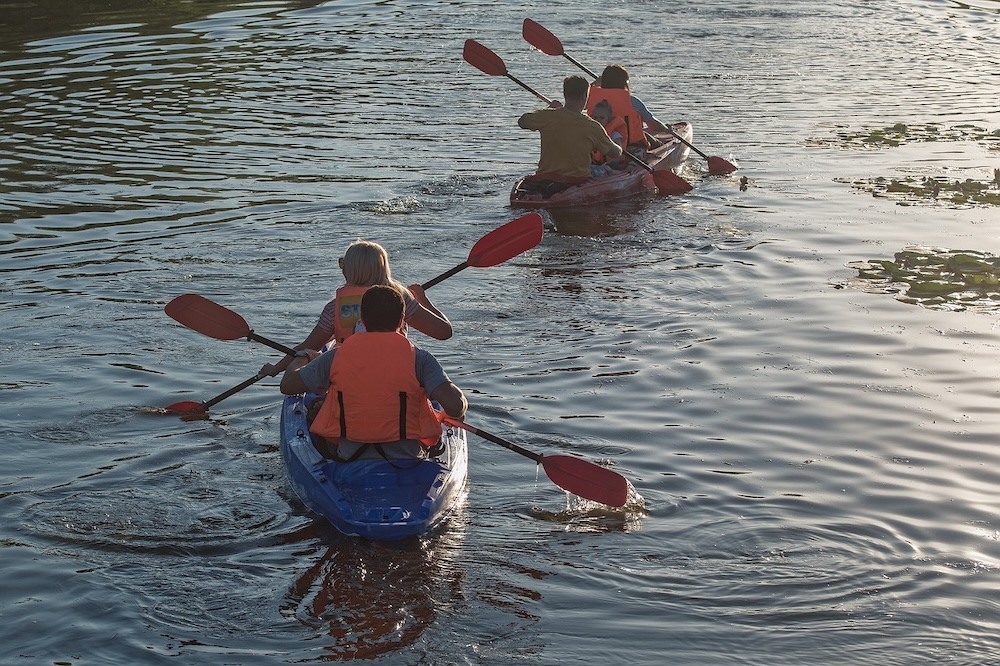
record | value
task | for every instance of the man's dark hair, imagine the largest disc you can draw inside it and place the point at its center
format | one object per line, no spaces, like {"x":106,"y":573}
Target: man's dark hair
{"x":382,"y":308}
{"x":575,"y":87}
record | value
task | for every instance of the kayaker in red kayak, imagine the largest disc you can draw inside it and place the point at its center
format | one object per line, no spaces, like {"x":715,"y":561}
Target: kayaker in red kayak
{"x":364,"y":264}
{"x":377,"y":385}
{"x":608,"y":87}
{"x":568,"y":136}
{"x":614,"y":126}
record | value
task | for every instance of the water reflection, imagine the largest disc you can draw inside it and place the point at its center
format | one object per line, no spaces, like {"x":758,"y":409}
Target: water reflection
{"x":25,"y":22}
{"x":374,"y":598}
{"x":614,"y":219}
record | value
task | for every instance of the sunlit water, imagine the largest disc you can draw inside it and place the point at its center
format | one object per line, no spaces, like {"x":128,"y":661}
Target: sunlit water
{"x":813,"y":454}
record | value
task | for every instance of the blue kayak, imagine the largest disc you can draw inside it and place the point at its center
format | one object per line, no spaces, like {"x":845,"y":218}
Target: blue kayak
{"x":373,"y":498}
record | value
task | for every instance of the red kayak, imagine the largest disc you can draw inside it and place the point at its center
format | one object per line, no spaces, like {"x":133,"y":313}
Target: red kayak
{"x":631,"y":180}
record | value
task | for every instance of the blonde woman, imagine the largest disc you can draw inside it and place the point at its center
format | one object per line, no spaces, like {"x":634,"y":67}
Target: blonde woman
{"x":366,"y":264}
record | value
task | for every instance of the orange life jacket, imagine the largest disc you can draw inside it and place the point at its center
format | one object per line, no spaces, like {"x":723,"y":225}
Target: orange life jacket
{"x":375,"y":396}
{"x":616,"y":124}
{"x":348,"y":306}
{"x":621,"y":105}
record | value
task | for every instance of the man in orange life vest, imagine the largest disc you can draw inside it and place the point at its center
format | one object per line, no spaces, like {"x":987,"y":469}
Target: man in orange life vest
{"x":377,"y":385}
{"x":568,"y":136}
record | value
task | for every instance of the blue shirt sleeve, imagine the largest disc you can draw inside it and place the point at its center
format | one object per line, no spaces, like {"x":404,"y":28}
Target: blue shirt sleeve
{"x":316,"y":374}
{"x":430,"y":374}
{"x":641,"y":108}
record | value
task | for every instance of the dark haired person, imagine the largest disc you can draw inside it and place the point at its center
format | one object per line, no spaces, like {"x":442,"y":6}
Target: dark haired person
{"x":568,"y":136}
{"x":613,"y":89}
{"x":377,"y":385}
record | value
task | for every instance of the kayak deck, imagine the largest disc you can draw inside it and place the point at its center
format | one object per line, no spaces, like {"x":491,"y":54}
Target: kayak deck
{"x":373,"y":498}
{"x":630,"y":181}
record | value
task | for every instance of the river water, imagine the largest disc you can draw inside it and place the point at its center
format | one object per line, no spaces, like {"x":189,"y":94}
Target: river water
{"x":797,"y":372}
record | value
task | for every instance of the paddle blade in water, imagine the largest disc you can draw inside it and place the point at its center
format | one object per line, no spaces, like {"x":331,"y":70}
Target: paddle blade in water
{"x":669,"y":182}
{"x":186,"y":407}
{"x":208,"y":318}
{"x":483,"y":59}
{"x":539,"y":37}
{"x":508,"y":241}
{"x":586,"y":480}
{"x":720,"y":167}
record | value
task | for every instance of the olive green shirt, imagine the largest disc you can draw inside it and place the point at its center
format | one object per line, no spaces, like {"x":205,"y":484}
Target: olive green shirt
{"x":568,"y":139}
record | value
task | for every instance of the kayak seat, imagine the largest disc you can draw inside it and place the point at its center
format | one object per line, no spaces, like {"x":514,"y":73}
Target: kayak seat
{"x":545,"y":188}
{"x":437,"y":450}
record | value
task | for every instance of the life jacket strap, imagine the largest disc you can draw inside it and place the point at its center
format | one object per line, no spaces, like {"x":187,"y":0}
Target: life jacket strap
{"x":402,"y":414}
{"x":343,"y":419}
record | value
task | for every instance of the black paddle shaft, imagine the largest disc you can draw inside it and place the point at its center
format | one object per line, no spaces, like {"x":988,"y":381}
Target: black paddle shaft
{"x":271,"y":343}
{"x":537,"y":457}
{"x":233,"y":391}
{"x":444,"y":276}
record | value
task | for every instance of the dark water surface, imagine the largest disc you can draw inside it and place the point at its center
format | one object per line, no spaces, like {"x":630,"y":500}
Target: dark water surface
{"x":798,"y":374}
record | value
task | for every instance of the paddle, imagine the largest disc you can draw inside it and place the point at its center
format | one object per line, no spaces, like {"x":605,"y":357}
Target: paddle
{"x":202,"y":315}
{"x":543,"y":40}
{"x":219,"y":322}
{"x":490,"y":63}
{"x":499,"y":245}
{"x":190,"y":407}
{"x":487,"y":61}
{"x":572,"y":474}
{"x":216,"y":321}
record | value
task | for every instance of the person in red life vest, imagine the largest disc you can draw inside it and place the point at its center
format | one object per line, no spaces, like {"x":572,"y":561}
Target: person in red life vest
{"x":365,"y":264}
{"x":568,"y":136}
{"x":377,"y":385}
{"x":613,"y":87}
{"x":614,"y":126}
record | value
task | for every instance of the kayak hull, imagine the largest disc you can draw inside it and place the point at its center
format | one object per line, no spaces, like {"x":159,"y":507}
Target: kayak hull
{"x":373,"y":498}
{"x":630,"y":181}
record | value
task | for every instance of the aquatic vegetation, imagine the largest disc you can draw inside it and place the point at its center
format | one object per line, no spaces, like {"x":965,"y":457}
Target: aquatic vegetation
{"x":901,"y":133}
{"x":933,"y":191}
{"x":928,"y":190}
{"x":934,"y":277}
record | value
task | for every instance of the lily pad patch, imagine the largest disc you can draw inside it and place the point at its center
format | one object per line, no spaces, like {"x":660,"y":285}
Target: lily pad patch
{"x":934,"y":277}
{"x":902,"y":133}
{"x":932,"y":191}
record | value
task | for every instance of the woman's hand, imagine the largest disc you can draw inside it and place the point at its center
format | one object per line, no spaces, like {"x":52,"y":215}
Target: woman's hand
{"x":418,"y":293}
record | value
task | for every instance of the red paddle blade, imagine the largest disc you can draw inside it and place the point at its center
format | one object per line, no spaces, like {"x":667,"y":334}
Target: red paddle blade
{"x":720,"y":167}
{"x":483,"y":59}
{"x":539,"y":37}
{"x":186,"y":407}
{"x":586,"y":480}
{"x":208,"y":318}
{"x":669,"y":182}
{"x":506,"y":242}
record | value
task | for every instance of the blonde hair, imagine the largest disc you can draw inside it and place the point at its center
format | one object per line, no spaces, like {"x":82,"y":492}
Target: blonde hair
{"x":366,"y":263}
